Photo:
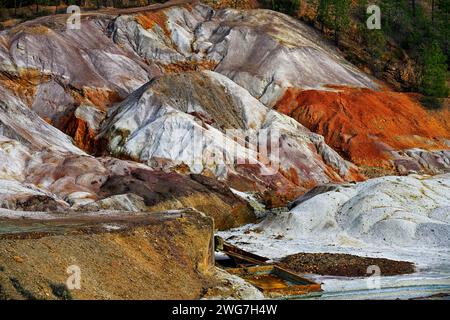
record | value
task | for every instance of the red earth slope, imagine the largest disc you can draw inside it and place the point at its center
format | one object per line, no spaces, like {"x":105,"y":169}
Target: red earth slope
{"x":364,"y":125}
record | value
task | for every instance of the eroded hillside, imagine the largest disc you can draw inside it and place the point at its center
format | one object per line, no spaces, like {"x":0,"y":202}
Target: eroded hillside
{"x":172,"y":106}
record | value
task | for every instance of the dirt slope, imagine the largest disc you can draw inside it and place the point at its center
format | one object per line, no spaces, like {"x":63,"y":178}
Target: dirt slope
{"x":157,"y":256}
{"x":370,"y":127}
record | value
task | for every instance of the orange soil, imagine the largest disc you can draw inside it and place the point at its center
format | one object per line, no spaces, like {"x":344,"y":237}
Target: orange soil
{"x":149,"y":19}
{"x":24,"y":85}
{"x":101,"y":98}
{"x":83,"y":136}
{"x":363,"y":125}
{"x":182,"y":66}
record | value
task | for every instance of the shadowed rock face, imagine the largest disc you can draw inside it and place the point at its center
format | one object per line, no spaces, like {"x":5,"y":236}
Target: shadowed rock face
{"x":164,"y":256}
{"x":71,"y":78}
{"x":170,"y":190}
{"x":20,"y":123}
{"x":50,"y":181}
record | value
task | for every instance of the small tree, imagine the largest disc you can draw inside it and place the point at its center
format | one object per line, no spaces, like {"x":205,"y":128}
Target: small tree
{"x":290,"y":7}
{"x":339,"y":17}
{"x":434,"y":72}
{"x":323,"y":13}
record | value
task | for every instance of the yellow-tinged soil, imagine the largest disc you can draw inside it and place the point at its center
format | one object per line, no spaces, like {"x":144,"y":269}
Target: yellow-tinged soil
{"x":153,"y":256}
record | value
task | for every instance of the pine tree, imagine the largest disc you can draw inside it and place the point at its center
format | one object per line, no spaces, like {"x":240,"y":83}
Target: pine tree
{"x":340,"y":17}
{"x":323,"y":13}
{"x":434,"y":73}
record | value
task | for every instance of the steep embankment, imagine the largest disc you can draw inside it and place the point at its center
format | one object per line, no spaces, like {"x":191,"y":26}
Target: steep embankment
{"x":71,"y":78}
{"x":160,"y":88}
{"x":214,"y":125}
{"x":118,"y":256}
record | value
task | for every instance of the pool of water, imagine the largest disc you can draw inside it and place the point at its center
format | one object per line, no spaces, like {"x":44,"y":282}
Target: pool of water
{"x":432,"y":276}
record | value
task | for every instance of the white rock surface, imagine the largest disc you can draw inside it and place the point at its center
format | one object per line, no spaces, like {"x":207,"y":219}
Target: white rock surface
{"x":279,"y":51}
{"x":18,"y":122}
{"x":392,"y":211}
{"x":393,"y":217}
{"x":184,"y":118}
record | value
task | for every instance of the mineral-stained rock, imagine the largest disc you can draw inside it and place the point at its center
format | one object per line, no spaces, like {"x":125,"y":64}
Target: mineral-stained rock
{"x":83,"y":126}
{"x":80,"y":180}
{"x":20,"y":123}
{"x":54,"y":70}
{"x":374,"y":128}
{"x":344,"y":265}
{"x":58,"y":72}
{"x":122,"y":202}
{"x":193,"y":119}
{"x":162,"y":191}
{"x":42,"y":170}
{"x":282,"y":56}
{"x":26,"y":197}
{"x":233,"y":287}
{"x":279,"y":51}
{"x":118,"y":256}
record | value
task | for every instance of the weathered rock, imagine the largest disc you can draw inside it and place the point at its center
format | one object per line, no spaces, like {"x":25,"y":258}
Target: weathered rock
{"x":37,"y":154}
{"x":26,"y":197}
{"x":54,"y":70}
{"x":109,"y":57}
{"x":20,"y":123}
{"x":83,"y":126}
{"x":277,"y":48}
{"x":163,"y":191}
{"x":374,"y":128}
{"x":82,"y":181}
{"x":232,"y":287}
{"x":344,"y":265}
{"x":202,"y":120}
{"x":122,"y":202}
